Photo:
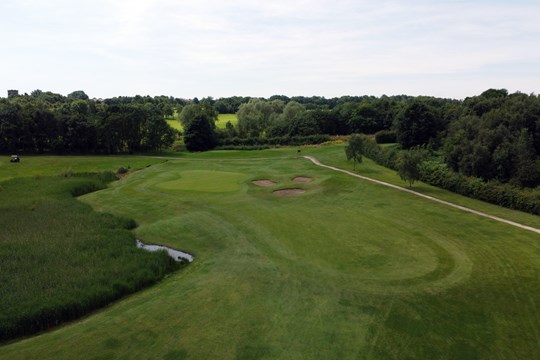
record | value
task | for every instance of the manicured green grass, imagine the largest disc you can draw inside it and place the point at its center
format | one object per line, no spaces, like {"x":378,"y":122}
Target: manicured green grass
{"x":347,"y":270}
{"x":333,"y":155}
{"x":204,"y":181}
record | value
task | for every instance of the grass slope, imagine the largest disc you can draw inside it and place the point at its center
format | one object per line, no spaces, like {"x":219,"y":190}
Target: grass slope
{"x":347,"y":270}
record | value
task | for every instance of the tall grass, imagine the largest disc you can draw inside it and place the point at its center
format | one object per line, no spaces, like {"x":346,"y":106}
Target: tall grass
{"x":59,"y":259}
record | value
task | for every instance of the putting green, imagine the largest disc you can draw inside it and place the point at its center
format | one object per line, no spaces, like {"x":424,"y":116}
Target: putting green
{"x":205,"y":181}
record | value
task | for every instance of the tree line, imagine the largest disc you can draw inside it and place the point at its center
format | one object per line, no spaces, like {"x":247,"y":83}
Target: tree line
{"x":47,"y":122}
{"x":492,"y":136}
{"x":286,"y":121}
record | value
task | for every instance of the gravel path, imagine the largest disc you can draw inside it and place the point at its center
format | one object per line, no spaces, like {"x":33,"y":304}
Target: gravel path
{"x":479,"y":213}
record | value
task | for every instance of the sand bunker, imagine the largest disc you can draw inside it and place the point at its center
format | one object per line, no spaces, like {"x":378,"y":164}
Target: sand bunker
{"x":302,"y":180}
{"x":288,"y":192}
{"x":263,"y":182}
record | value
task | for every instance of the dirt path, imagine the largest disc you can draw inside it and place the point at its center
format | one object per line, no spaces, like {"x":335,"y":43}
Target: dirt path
{"x":479,"y":213}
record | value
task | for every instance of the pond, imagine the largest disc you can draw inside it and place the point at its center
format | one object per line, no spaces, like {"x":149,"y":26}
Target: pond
{"x":175,"y":254}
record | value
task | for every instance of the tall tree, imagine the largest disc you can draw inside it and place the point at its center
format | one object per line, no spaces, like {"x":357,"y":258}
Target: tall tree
{"x":408,"y":164}
{"x":527,"y":170}
{"x":416,"y":124}
{"x":353,"y":151}
{"x":78,"y":94}
{"x":199,"y":131}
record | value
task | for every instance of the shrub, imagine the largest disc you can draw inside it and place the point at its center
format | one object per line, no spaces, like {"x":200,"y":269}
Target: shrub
{"x":227,"y":142}
{"x":385,"y":137}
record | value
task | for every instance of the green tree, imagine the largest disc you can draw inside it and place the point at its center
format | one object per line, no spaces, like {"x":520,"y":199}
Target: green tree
{"x":353,"y":151}
{"x":416,"y":124}
{"x":199,"y":128}
{"x":408,"y":164}
{"x":526,"y":173}
{"x":255,"y":117}
{"x":78,"y":94}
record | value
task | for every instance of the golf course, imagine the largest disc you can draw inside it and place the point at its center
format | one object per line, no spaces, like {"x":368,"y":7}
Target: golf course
{"x":297,"y":261}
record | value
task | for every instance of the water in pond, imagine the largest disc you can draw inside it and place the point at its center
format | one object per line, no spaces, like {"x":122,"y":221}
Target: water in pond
{"x":175,"y":254}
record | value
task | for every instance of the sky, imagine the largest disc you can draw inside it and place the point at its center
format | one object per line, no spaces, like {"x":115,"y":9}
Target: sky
{"x":221,"y":48}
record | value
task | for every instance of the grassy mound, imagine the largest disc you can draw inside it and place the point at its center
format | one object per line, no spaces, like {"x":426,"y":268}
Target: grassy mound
{"x":59,"y":259}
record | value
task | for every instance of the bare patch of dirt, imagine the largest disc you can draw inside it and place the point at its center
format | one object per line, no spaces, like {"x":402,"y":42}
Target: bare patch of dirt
{"x":263,"y":182}
{"x":302,"y":180}
{"x":288,"y":192}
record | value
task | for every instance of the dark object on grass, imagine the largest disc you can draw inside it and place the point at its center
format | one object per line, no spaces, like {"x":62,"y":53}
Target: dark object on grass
{"x":15,"y":159}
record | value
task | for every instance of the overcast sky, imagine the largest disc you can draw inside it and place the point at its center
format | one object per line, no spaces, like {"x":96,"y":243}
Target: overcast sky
{"x":219,"y":48}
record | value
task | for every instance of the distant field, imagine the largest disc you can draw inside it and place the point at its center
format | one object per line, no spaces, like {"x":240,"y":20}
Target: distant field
{"x":175,"y":124}
{"x":220,"y":123}
{"x":347,"y":270}
{"x":224,"y":118}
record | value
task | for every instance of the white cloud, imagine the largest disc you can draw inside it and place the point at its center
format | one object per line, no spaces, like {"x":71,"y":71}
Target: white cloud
{"x":221,"y":48}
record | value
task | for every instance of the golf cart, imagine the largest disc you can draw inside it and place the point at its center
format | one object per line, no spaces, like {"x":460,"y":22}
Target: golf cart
{"x":15,"y":159}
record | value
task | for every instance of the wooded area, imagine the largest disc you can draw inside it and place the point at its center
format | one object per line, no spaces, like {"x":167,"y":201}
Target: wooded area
{"x":493,"y":136}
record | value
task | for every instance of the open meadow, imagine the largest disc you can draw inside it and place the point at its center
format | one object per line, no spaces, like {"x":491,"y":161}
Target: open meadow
{"x":347,"y":269}
{"x":221,"y":121}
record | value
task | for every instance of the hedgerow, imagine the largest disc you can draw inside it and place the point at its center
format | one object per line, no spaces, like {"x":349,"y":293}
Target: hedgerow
{"x":438,"y":174}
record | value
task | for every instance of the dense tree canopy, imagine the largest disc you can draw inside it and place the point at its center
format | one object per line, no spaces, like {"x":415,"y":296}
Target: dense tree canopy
{"x":416,"y":124}
{"x":199,"y":126}
{"x":48,"y":122}
{"x":497,"y":137}
{"x":493,"y":136}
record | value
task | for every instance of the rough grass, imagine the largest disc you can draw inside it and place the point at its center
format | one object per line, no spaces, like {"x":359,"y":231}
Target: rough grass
{"x":42,"y":165}
{"x":59,"y":259}
{"x":347,"y":270}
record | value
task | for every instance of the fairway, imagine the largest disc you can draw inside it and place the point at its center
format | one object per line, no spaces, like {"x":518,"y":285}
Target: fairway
{"x":347,"y":269}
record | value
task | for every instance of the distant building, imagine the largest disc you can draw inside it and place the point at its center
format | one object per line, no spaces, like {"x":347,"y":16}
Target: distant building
{"x":12,"y":93}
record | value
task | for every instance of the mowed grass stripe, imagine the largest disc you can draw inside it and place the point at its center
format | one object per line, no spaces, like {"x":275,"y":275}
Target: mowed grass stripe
{"x":346,"y":270}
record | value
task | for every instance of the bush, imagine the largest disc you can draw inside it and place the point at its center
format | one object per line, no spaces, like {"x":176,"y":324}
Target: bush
{"x":382,"y":156}
{"x":385,"y":137}
{"x":438,"y":174}
{"x":243,"y":147}
{"x":254,"y":142}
